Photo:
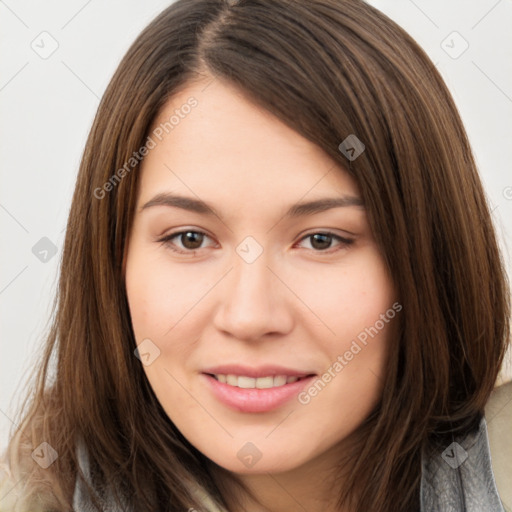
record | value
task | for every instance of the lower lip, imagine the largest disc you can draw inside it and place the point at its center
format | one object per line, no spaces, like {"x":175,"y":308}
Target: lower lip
{"x":255,"y":400}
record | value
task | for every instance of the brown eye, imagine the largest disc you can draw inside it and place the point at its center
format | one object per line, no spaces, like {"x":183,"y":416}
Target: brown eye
{"x":326,"y":242}
{"x":187,"y":241}
{"x":191,"y":239}
{"x":321,"y":241}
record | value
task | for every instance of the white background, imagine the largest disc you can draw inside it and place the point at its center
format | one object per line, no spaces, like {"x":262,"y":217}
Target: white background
{"x":47,"y":107}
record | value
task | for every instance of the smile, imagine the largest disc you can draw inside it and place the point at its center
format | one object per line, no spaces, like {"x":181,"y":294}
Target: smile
{"x":245,"y":382}
{"x":255,"y":394}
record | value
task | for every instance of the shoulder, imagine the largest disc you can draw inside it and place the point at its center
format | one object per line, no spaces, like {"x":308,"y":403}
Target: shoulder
{"x":13,"y":492}
{"x":23,"y":484}
{"x":498,"y":415}
{"x":8,"y":494}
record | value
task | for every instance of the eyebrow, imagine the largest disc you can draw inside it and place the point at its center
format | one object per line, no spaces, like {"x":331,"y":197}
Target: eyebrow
{"x":296,"y":210}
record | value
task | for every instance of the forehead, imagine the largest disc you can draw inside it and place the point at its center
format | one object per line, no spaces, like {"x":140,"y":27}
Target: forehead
{"x":211,"y":141}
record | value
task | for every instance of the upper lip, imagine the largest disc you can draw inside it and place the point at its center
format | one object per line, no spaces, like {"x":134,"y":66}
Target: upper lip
{"x":255,"y":372}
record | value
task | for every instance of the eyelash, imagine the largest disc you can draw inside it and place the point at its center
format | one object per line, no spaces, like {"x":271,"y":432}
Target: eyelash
{"x":344,"y":242}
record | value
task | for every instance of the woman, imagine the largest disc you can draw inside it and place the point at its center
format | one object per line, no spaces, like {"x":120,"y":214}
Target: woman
{"x":280,"y":288}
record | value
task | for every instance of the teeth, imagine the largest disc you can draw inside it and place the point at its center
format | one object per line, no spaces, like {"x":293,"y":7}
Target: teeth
{"x":251,"y":383}
{"x":264,"y":382}
{"x":279,"y":380}
{"x":246,"y":382}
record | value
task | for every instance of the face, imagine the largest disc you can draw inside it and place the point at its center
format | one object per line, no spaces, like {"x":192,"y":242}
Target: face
{"x":263,"y":324}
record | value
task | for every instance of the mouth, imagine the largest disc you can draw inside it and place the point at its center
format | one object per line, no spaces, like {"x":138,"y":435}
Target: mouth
{"x":246,"y":382}
{"x":246,"y":394}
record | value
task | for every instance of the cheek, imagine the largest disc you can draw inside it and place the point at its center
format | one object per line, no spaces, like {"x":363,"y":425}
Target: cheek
{"x":349,"y":298}
{"x":146,"y":298}
{"x":161,"y":302}
{"x":356,"y":304}
{"x":159,"y":297}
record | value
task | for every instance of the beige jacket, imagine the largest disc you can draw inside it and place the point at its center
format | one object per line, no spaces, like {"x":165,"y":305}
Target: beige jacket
{"x":498,"y":414}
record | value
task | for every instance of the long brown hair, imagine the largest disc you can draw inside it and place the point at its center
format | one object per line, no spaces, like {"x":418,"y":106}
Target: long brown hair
{"x":328,"y":69}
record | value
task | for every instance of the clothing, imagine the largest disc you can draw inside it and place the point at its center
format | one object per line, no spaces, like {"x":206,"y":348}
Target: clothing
{"x":498,"y":413}
{"x":460,"y":479}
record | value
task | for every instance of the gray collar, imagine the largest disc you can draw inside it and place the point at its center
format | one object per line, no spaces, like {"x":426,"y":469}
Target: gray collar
{"x":460,"y":478}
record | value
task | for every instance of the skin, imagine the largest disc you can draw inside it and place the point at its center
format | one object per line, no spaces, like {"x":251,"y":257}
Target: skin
{"x":299,"y":304}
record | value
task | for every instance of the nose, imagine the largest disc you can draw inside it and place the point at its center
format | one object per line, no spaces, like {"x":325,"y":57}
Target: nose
{"x":253,"y":302}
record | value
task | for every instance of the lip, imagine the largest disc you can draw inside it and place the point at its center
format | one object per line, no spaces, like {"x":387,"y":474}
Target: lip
{"x":255,"y":372}
{"x":255,"y":400}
